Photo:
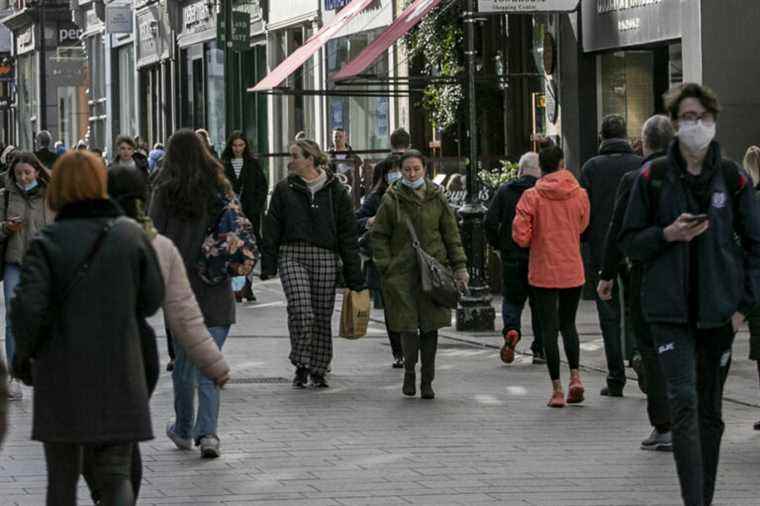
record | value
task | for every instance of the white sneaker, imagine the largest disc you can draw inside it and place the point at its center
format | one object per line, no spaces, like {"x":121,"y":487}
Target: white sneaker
{"x":182,"y":443}
{"x":14,"y":391}
{"x":210,"y":446}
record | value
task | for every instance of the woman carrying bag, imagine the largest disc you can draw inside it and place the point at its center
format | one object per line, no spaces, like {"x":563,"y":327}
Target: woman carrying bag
{"x":418,"y":202}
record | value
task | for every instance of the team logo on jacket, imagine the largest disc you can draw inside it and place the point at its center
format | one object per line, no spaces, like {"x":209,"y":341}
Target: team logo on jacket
{"x":719,"y":200}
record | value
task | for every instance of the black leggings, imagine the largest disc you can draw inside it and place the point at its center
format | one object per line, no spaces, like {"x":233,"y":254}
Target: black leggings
{"x":557,"y":308}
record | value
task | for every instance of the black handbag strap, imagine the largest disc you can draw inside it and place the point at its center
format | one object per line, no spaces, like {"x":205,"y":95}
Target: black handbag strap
{"x":85,"y":264}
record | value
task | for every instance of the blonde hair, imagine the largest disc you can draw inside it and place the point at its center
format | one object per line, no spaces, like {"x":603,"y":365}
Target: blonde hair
{"x":311,"y":149}
{"x":752,"y":163}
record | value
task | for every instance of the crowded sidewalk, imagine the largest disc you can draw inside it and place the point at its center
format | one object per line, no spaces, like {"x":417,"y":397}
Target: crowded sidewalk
{"x":487,"y":439}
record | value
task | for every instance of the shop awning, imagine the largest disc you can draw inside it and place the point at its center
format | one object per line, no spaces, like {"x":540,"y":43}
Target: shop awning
{"x":403,"y":23}
{"x":311,"y":46}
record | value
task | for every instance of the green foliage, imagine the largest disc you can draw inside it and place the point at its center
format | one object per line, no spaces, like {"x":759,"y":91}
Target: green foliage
{"x":439,"y":37}
{"x":496,"y":177}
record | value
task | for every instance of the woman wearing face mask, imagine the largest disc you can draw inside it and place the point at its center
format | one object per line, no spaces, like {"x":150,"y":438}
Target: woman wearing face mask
{"x":310,"y":222}
{"x":389,"y":173}
{"x":412,"y":313}
{"x":23,"y":212}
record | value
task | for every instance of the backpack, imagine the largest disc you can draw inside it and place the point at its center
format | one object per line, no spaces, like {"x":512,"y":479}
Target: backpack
{"x":229,"y":249}
{"x":735,"y":183}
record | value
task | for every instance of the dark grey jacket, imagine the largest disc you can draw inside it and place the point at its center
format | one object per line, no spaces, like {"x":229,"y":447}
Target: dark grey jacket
{"x":89,"y":371}
{"x":728,"y":274}
{"x":34,"y":214}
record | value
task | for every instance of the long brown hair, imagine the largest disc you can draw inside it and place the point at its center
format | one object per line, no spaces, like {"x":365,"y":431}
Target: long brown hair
{"x":29,"y":158}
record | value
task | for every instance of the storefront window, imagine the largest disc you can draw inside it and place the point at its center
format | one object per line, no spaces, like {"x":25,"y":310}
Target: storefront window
{"x":365,"y":118}
{"x":67,"y":75}
{"x":126,"y":83}
{"x":215,"y":96}
{"x":27,"y":100}
{"x":97,"y":73}
{"x":627,"y":87}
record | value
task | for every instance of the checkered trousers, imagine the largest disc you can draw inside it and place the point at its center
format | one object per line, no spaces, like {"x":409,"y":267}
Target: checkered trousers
{"x":308,"y":276}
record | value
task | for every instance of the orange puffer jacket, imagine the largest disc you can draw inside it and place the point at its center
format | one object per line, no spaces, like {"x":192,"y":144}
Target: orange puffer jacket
{"x":550,"y":219}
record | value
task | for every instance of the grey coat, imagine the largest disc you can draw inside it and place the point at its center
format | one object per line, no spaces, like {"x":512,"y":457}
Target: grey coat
{"x":34,"y":214}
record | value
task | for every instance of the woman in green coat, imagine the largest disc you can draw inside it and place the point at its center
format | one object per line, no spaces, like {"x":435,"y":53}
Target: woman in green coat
{"x":408,"y":310}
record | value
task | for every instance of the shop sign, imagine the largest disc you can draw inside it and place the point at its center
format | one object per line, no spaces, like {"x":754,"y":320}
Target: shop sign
{"x":527,"y":5}
{"x":69,"y":35}
{"x":25,"y":40}
{"x":119,"y":18}
{"x":196,"y":15}
{"x":334,"y":5}
{"x":257,"y":11}
{"x":240,"y":27}
{"x":611,"y":24}
{"x":152,"y":39}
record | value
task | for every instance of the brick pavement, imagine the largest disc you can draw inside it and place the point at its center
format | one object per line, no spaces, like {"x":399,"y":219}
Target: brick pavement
{"x":487,"y":439}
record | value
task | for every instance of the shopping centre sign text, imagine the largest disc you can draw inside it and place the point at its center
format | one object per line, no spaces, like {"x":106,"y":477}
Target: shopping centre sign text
{"x":526,"y":5}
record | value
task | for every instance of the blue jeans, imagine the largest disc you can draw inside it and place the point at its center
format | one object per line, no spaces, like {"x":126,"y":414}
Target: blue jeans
{"x":10,"y":282}
{"x":185,"y":376}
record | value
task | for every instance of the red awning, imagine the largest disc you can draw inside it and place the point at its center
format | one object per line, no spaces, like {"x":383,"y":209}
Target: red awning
{"x":311,"y":46}
{"x":403,"y":23}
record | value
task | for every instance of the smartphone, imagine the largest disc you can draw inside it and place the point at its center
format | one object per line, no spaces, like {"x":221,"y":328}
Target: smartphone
{"x":697,"y":219}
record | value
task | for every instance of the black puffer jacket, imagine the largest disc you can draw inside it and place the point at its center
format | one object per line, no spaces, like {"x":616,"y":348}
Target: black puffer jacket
{"x":89,"y":369}
{"x":501,"y":214}
{"x":727,"y":275}
{"x":252,"y":187}
{"x":600,"y":177}
{"x":325,"y":220}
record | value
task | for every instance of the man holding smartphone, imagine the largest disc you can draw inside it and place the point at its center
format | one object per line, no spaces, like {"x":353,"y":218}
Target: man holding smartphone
{"x":698,"y":282}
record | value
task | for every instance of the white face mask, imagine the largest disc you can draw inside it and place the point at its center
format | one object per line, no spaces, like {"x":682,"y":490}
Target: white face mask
{"x":696,"y":135}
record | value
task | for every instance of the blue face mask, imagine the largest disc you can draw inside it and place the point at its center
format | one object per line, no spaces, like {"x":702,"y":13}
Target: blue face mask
{"x":392,"y":177}
{"x":414,"y":185}
{"x":31,"y":186}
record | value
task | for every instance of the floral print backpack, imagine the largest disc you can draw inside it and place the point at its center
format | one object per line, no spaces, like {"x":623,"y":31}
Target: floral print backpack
{"x":229,"y":249}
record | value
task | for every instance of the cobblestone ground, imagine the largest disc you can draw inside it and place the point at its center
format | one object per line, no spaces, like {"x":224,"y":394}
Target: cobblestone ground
{"x":487,"y":439}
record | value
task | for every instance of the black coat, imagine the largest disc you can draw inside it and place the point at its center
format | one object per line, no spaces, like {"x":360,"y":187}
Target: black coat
{"x":501,"y":214}
{"x":325,"y":220}
{"x":252,"y":187}
{"x":613,"y":255}
{"x":89,"y":368}
{"x":601,"y":177}
{"x":727,"y":274}
{"x":370,"y":205}
{"x":47,"y":157}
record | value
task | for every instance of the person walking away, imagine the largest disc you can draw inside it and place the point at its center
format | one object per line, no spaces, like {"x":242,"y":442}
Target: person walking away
{"x":516,"y":288}
{"x":417,"y":202}
{"x":206,"y":139}
{"x":698,"y":282}
{"x":342,"y":157}
{"x":386,"y":174}
{"x":155,"y":158}
{"x":549,"y":220}
{"x":310,"y":223}
{"x":752,"y":167}
{"x":46,"y":153}
{"x":76,"y":319}
{"x":188,"y":198}
{"x":127,"y":157}
{"x":657,"y":134}
{"x":23,"y":213}
{"x":248,"y":181}
{"x":600,"y":177}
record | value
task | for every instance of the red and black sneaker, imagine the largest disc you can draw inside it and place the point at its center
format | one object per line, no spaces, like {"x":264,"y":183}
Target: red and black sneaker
{"x":511,"y":338}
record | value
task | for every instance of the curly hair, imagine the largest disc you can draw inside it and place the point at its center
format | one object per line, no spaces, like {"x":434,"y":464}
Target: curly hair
{"x":678,"y":94}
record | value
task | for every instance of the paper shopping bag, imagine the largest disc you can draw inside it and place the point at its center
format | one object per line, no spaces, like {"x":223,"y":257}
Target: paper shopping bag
{"x":354,"y":314}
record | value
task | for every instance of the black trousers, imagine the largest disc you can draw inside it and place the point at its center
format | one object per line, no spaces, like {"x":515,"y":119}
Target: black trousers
{"x":421,"y":345}
{"x":658,"y":407}
{"x":517,"y":291}
{"x":557,"y":308}
{"x":110,"y":468}
{"x":696,"y":364}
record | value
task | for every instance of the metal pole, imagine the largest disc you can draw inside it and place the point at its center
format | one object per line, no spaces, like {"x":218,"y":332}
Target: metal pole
{"x":475,"y":312}
{"x":43,"y":60}
{"x":229,"y":80}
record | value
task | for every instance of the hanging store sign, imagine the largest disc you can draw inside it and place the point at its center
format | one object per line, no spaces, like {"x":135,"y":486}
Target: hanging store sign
{"x":527,"y":5}
{"x":153,"y":43}
{"x":119,"y":18}
{"x":198,"y":24}
{"x":25,"y":40}
{"x":239,"y":39}
{"x":612,"y":24}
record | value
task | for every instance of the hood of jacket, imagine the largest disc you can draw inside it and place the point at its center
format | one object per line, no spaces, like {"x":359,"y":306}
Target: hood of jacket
{"x":297,"y":183}
{"x":615,"y":146}
{"x":560,"y":185}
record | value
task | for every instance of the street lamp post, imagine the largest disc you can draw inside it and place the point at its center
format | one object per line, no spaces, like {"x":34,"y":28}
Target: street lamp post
{"x":475,"y":312}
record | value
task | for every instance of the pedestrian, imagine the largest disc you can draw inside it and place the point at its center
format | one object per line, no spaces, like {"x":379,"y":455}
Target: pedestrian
{"x":309,"y":225}
{"x":514,"y":260}
{"x":248,"y":181}
{"x":86,"y":282}
{"x":206,"y":139}
{"x":59,"y":148}
{"x":45,"y":152}
{"x":698,"y":282}
{"x":414,"y":201}
{"x":400,"y":143}
{"x":155,"y":158}
{"x":752,"y":166}
{"x":389,"y":172}
{"x":342,"y":156}
{"x":550,"y":219}
{"x":187,"y":199}
{"x":3,"y":401}
{"x":127,"y":156}
{"x":600,"y":177}
{"x":657,"y":134}
{"x":23,"y":213}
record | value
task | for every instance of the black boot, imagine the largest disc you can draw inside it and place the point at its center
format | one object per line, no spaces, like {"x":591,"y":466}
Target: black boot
{"x":301,"y":377}
{"x":410,"y":342}
{"x":409,"y":388}
{"x":429,"y":346}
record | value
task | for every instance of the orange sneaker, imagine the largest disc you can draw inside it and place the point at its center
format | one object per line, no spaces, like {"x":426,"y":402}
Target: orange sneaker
{"x":511,"y":338}
{"x":575,"y":391}
{"x":557,"y":400}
